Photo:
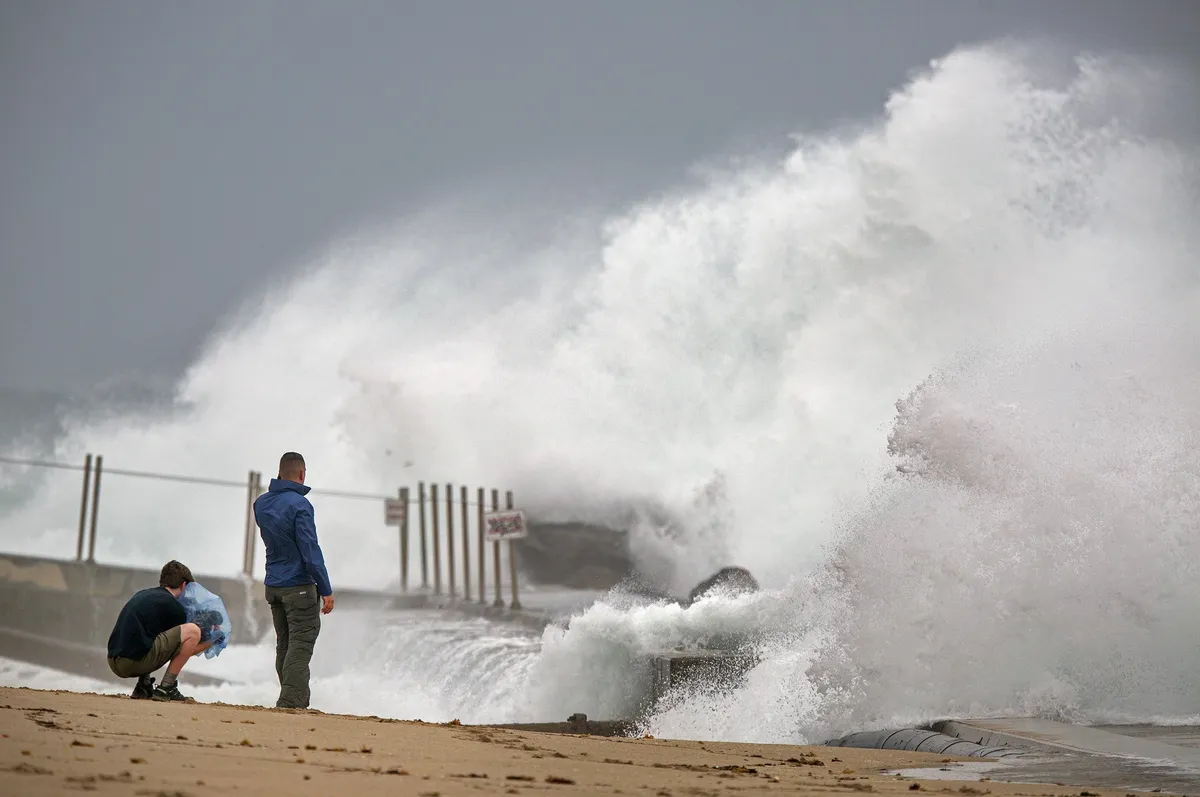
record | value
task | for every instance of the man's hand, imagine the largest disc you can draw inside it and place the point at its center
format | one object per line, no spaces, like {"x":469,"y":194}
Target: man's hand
{"x":326,"y":604}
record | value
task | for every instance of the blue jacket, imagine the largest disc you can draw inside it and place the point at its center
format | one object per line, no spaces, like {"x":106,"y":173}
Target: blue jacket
{"x":285,"y":521}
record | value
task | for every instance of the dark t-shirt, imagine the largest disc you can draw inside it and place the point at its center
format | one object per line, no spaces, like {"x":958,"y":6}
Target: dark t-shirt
{"x":147,"y":614}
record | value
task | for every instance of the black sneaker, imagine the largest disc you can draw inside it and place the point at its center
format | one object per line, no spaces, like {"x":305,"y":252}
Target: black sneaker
{"x":144,"y":689}
{"x":171,"y":693}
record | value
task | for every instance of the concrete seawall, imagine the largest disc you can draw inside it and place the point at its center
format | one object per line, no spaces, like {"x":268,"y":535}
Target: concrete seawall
{"x":59,"y":613}
{"x":78,"y":601}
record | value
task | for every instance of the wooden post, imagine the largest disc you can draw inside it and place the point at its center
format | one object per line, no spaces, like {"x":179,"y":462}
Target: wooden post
{"x":83,"y":507}
{"x":480,"y":509}
{"x":512,"y":558}
{"x":421,"y":518}
{"x":450,"y":537}
{"x":95,"y":507}
{"x":466,"y":539}
{"x":437,"y":543}
{"x":247,"y":533}
{"x":499,"y":602}
{"x":404,"y":541}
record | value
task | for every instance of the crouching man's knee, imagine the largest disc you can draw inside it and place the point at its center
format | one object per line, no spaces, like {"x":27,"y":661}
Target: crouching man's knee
{"x":189,"y":635}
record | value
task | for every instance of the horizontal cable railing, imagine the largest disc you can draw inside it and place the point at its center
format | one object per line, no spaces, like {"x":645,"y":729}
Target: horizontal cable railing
{"x":494,"y":522}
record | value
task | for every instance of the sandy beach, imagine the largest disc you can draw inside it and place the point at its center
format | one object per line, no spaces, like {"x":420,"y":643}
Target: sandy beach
{"x":64,"y":742}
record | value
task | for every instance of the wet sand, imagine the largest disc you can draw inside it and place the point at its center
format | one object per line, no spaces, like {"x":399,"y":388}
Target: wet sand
{"x":64,"y":743}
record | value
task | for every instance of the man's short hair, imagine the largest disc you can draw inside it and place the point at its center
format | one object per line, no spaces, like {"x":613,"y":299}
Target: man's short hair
{"x":289,"y":463}
{"x":174,"y":575}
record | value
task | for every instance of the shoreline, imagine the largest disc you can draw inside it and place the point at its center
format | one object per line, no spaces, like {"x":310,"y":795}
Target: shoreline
{"x":59,"y":742}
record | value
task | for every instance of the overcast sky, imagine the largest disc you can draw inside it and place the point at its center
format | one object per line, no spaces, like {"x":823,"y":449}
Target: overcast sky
{"x":158,"y":160}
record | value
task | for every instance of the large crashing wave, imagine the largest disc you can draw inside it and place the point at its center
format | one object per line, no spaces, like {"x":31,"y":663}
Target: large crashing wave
{"x":1014,"y":240}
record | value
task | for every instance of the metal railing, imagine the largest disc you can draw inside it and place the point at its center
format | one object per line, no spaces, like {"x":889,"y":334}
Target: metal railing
{"x":429,"y":503}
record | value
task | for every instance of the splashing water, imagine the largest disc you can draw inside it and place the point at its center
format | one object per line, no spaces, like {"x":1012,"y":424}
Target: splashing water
{"x":1010,"y":252}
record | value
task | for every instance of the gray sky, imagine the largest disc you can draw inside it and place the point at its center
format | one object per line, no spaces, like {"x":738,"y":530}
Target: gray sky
{"x":158,"y":160}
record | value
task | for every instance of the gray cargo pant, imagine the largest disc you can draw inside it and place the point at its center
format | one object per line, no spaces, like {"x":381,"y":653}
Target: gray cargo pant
{"x":296,"y":612}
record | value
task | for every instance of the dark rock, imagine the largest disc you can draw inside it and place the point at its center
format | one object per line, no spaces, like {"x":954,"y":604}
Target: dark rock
{"x":736,"y":580}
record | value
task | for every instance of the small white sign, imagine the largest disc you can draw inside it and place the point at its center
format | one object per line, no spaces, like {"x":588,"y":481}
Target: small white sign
{"x":506,"y":525}
{"x":395,"y":512}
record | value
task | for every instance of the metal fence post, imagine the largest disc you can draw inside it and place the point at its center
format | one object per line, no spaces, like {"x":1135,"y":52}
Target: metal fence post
{"x":512,"y":558}
{"x":247,"y":534}
{"x":434,"y":531}
{"x":421,"y":520}
{"x":83,"y":507}
{"x":450,"y":537}
{"x":466,"y":541}
{"x":499,"y":602}
{"x":404,"y":541}
{"x":256,"y":491}
{"x":480,"y":509}
{"x":95,"y":507}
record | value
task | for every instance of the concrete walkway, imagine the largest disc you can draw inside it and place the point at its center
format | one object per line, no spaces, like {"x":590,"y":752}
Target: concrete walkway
{"x":1137,"y":758}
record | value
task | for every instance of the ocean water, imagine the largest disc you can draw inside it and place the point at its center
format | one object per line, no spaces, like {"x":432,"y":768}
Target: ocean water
{"x":934,"y":378}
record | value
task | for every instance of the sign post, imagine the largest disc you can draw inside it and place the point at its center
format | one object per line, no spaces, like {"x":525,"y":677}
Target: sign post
{"x":395,"y":513}
{"x":508,"y":524}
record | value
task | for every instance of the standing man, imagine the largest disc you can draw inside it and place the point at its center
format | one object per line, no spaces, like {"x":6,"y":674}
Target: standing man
{"x":296,"y":577}
{"x":152,"y":630}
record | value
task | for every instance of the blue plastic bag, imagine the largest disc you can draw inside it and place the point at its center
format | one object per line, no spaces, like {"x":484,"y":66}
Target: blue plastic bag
{"x":206,"y":610}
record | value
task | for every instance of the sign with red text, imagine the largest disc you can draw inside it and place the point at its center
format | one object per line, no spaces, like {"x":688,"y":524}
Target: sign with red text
{"x":395,"y":512}
{"x":508,"y":524}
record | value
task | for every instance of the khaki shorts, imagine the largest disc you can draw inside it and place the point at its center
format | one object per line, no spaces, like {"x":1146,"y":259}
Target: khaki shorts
{"x":165,"y":646}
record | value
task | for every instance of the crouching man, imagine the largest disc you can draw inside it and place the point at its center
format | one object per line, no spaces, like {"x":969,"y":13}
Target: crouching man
{"x":152,"y":630}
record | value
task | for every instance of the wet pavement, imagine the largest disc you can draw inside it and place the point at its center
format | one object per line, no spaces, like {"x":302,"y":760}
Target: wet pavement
{"x":1132,"y":757}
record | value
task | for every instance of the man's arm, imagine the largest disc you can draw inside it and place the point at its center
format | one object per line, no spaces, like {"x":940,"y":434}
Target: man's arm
{"x":310,"y":551}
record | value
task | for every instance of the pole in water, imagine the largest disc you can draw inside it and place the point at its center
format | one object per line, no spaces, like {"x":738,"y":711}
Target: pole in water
{"x":83,"y":507}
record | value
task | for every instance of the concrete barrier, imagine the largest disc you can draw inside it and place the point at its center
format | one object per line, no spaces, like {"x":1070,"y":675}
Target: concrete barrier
{"x":59,"y":613}
{"x":79,"y":601}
